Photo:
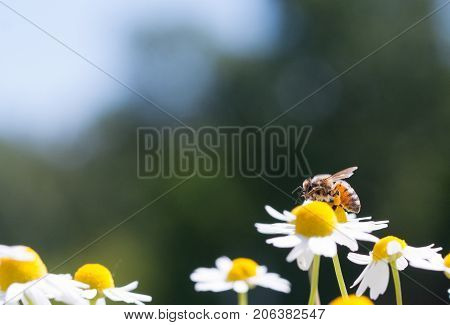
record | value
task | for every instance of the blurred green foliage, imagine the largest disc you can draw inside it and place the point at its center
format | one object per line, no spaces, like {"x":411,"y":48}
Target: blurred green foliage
{"x":389,"y":116}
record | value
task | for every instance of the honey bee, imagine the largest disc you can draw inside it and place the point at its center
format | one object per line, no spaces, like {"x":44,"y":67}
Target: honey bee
{"x":332,"y":189}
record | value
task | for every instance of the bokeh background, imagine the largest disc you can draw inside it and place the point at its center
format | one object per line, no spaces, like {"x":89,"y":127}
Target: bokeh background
{"x":68,"y":131}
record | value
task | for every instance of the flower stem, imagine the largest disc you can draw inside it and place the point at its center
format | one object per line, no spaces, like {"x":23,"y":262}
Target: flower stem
{"x":317,"y":298}
{"x":339,"y":276}
{"x":398,"y":287}
{"x":314,"y":279}
{"x":242,"y":298}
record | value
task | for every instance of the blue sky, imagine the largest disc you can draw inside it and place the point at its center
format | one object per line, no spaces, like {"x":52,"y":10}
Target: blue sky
{"x":48,"y":93}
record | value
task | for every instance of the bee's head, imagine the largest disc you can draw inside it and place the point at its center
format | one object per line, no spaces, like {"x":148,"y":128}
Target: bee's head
{"x":306,"y":186}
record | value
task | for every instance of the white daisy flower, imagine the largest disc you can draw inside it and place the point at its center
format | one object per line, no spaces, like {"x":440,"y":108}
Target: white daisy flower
{"x":240,"y":275}
{"x":101,"y":284}
{"x":437,"y":263}
{"x":313,"y":228}
{"x":391,"y":251}
{"x":26,"y":280}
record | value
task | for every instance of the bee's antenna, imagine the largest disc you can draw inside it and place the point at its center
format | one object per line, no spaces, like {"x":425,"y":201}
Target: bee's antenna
{"x":296,"y":189}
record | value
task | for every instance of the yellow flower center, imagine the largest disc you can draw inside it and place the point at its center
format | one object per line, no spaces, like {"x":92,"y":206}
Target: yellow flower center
{"x":242,"y":269}
{"x":352,"y":300}
{"x":380,"y":249}
{"x":13,"y":271}
{"x":315,"y":219}
{"x":447,"y":260}
{"x":447,"y":264}
{"x":96,"y":275}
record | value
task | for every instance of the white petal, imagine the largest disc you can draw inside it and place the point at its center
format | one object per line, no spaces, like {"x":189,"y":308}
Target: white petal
{"x":261,"y":270}
{"x":35,"y":296}
{"x":62,"y":288}
{"x":275,"y":228}
{"x":323,"y":246}
{"x":213,"y":286}
{"x":426,"y":265}
{"x":376,"y":277}
{"x":240,"y":286}
{"x":437,"y":259}
{"x":203,"y":274}
{"x":364,"y":236}
{"x":137,"y":298}
{"x":272,"y":281}
{"x":393,"y":247}
{"x":275,"y":214}
{"x":352,"y":217}
{"x":341,"y":237}
{"x":89,"y":294}
{"x":428,"y":252}
{"x":401,"y":263}
{"x":130,"y":286}
{"x":289,"y":216}
{"x":361,"y":230}
{"x":364,"y":279}
{"x":118,"y":294}
{"x":360,"y":277}
{"x":19,"y":253}
{"x":224,"y":264}
{"x":304,"y":260}
{"x":366,"y":226}
{"x":284,"y":241}
{"x":114,"y":296}
{"x":297,"y":251}
{"x":14,"y":293}
{"x":101,"y":301}
{"x":379,"y":279}
{"x":359,"y":259}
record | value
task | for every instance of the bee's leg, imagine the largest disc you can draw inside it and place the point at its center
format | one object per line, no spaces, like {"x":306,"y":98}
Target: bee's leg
{"x":336,"y":197}
{"x":337,"y":200}
{"x":298,"y":199}
{"x":330,"y":201}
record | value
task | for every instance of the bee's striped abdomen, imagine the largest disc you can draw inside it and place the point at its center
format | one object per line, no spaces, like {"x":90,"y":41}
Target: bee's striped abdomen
{"x":348,"y":197}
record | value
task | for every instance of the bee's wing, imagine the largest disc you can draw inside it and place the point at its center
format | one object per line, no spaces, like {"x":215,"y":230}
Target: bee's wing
{"x":343,"y":174}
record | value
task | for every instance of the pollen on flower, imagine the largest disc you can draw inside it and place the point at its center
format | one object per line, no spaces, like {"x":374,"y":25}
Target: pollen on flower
{"x":315,"y":219}
{"x":95,"y":275}
{"x":341,"y":215}
{"x":242,"y":269}
{"x":380,"y":249}
{"x":14,"y":271}
{"x":352,"y":300}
